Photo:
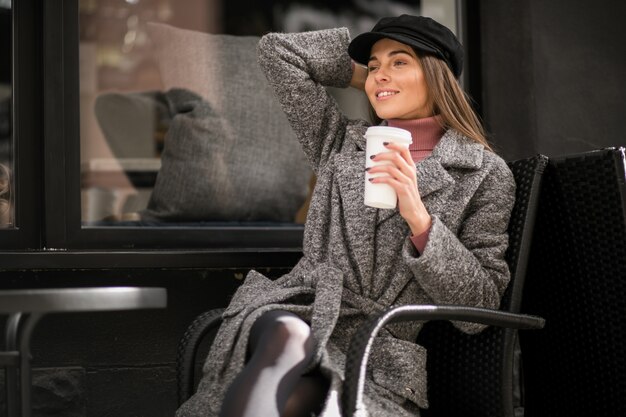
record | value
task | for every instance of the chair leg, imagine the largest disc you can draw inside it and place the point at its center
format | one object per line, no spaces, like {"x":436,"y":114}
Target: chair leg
{"x":10,"y":374}
{"x":25,"y":370}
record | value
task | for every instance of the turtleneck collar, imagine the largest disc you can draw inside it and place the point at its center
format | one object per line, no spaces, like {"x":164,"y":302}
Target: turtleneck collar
{"x":425,"y":133}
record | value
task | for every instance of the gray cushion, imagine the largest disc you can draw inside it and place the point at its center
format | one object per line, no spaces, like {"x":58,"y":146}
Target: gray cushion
{"x":132,"y":122}
{"x":230,"y":153}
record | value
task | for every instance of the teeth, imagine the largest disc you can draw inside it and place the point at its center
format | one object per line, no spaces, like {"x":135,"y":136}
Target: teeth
{"x":386,"y":93}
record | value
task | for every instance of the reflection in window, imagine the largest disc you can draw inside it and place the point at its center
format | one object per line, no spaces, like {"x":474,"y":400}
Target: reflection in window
{"x":176,"y":124}
{"x":7,"y":209}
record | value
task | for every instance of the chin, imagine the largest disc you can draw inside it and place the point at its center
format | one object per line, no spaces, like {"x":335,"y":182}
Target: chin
{"x":381,"y":113}
{"x":388,"y":112}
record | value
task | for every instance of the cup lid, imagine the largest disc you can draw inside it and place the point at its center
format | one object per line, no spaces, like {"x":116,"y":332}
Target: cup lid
{"x":398,"y":134}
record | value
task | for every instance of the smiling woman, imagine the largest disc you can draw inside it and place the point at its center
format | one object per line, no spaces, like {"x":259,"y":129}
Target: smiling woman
{"x":283,"y":343}
{"x":395,"y":85}
{"x":429,"y":71}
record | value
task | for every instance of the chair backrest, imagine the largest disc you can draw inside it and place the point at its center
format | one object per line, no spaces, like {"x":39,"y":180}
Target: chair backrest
{"x":193,"y":348}
{"x":473,"y":375}
{"x":577,"y":282}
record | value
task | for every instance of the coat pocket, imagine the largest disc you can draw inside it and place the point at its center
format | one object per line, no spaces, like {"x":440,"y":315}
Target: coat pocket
{"x":400,"y":367}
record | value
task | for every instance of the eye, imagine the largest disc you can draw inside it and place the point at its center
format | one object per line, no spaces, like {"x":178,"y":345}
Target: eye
{"x":372,"y":68}
{"x":399,"y":63}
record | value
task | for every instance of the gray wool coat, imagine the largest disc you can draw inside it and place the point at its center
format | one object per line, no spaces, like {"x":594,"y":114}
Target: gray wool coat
{"x":359,"y":260}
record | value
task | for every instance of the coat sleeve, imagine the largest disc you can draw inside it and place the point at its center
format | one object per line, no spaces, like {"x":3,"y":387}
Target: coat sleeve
{"x":469,"y":269}
{"x":298,"y":66}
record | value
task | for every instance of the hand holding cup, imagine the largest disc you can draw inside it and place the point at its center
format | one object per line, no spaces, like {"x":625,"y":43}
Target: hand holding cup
{"x":390,"y":166}
{"x":379,"y":194}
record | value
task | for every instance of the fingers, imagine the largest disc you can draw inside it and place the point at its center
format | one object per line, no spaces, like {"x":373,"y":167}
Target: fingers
{"x":393,"y":174}
{"x":402,"y":150}
{"x":400,"y":174}
{"x":401,"y":159}
{"x":397,"y":153}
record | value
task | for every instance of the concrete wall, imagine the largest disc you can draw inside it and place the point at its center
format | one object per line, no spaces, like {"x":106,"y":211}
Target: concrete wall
{"x":554,"y":75}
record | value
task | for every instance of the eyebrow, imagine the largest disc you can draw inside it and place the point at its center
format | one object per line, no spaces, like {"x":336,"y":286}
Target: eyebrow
{"x":392,"y":53}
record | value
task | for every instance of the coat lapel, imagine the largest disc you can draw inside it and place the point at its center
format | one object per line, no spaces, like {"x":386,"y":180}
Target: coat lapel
{"x":457,"y":151}
{"x":435,"y":183}
{"x":351,"y":169}
{"x":433,"y":179}
{"x":358,"y":220}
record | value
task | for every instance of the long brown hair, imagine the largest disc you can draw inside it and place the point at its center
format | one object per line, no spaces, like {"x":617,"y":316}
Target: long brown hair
{"x":448,"y":100}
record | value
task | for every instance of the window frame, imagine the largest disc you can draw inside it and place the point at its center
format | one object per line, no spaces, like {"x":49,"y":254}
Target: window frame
{"x":26,"y":130}
{"x":64,"y":227}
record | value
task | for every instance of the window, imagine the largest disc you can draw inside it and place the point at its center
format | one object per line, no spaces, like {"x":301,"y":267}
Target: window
{"x":7,"y":183}
{"x":91,"y":113}
{"x":177,"y":125}
{"x":20,"y":127}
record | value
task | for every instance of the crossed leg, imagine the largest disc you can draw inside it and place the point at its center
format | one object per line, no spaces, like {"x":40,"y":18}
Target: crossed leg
{"x":271,"y":384}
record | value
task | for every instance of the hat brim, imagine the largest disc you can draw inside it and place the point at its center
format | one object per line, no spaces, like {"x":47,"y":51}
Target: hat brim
{"x":360,"y":48}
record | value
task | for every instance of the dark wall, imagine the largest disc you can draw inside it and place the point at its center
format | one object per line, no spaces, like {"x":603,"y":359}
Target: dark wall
{"x":5,"y":46}
{"x":553,"y":75}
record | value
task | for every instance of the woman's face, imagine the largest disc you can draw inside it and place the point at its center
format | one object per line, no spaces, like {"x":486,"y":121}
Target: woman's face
{"x":395,"y":83}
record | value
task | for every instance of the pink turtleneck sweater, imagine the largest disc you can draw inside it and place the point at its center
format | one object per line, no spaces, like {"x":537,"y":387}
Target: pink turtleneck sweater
{"x":426,"y":133}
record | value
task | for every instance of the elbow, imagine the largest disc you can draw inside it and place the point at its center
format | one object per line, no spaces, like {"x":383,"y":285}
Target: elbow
{"x":266,"y":44}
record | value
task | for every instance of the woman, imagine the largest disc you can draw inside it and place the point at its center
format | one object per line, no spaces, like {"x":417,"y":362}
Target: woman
{"x":281,"y":348}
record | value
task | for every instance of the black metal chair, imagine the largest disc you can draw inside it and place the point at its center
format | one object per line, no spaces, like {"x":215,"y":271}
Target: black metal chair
{"x":485,"y":361}
{"x":577,"y":281}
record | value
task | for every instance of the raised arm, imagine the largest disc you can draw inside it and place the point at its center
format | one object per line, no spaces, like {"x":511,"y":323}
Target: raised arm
{"x":298,"y":66}
{"x":359,"y":75}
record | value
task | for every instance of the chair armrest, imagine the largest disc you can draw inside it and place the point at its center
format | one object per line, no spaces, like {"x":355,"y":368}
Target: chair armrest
{"x":358,"y":352}
{"x":188,"y":348}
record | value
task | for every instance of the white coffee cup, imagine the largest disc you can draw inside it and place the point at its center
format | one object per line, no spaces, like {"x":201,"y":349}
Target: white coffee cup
{"x":381,"y":195}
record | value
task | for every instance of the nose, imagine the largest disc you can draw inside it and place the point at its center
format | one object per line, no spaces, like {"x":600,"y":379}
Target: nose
{"x":381,"y":76}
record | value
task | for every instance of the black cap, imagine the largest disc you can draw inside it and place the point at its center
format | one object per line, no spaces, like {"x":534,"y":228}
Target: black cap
{"x":422,"y":33}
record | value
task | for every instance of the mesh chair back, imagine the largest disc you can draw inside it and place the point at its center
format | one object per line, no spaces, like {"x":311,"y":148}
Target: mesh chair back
{"x":472,"y":375}
{"x":193,"y":348}
{"x":577,"y":282}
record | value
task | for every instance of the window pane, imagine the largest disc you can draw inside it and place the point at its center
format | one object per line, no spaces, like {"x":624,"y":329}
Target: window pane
{"x":7,"y":181}
{"x":177,"y":124}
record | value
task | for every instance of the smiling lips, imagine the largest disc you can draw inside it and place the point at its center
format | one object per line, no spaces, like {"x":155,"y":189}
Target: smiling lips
{"x":385,"y":94}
